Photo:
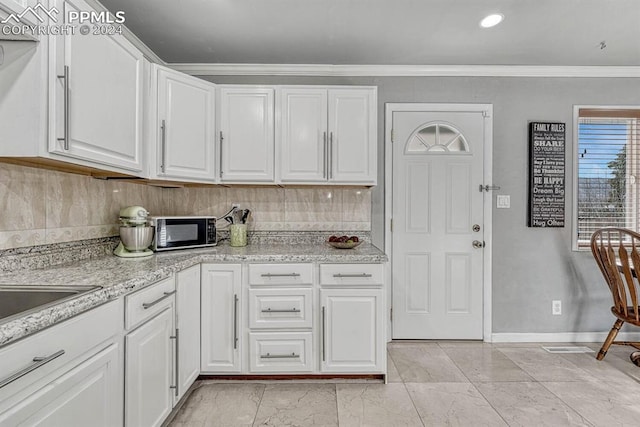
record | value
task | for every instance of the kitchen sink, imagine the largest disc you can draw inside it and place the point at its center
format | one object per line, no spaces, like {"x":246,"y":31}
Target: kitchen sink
{"x":20,"y":300}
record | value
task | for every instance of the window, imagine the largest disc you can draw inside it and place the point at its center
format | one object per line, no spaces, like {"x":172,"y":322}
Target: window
{"x":608,"y":165}
{"x":437,"y":138}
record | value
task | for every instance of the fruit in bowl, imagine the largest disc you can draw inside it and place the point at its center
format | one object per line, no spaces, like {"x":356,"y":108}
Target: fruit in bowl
{"x":344,"y":242}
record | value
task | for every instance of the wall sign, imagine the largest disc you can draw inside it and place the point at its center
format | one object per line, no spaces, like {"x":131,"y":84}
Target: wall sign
{"x":546,"y":174}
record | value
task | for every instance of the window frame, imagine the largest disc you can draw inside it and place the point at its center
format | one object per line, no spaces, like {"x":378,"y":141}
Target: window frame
{"x":575,"y":154}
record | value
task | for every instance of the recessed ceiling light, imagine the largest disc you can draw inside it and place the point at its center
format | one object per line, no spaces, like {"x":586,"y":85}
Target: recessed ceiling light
{"x":491,"y":20}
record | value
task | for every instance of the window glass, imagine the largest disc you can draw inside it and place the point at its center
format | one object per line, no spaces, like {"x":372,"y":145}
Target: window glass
{"x":608,"y":162}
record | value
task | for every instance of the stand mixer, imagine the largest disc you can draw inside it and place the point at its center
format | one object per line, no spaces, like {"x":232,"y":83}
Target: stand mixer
{"x":135,"y":233}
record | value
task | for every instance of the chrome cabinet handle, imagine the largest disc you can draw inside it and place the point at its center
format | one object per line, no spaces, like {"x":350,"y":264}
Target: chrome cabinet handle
{"x":293,"y":310}
{"x":163,"y":147}
{"x":326,"y":157}
{"x":279,"y":356}
{"x":147,"y":305}
{"x":330,"y":157}
{"x":176,"y":337}
{"x":324,"y":327}
{"x":235,"y":321}
{"x":340,"y":275}
{"x":280,"y":275}
{"x":67,"y":107}
{"x":37,"y":362}
{"x":221,"y":140}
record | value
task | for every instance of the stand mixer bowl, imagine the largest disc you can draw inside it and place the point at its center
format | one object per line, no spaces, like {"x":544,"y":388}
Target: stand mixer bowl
{"x":136,"y":239}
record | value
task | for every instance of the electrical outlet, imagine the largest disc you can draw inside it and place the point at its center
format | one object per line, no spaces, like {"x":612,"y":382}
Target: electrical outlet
{"x":556,"y":307}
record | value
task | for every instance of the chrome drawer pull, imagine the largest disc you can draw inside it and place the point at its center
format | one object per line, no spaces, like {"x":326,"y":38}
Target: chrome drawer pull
{"x":340,"y":275}
{"x":293,"y":310}
{"x":37,"y":362}
{"x":280,"y":356}
{"x":235,"y":321}
{"x":146,"y":305}
{"x":177,"y":367}
{"x":281,"y":275}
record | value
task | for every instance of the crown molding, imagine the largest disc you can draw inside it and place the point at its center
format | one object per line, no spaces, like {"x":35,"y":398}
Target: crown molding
{"x":406,"y":70}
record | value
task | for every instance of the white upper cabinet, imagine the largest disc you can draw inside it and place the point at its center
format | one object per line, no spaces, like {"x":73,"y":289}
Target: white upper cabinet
{"x":352,"y":136}
{"x":303,"y":134}
{"x":96,"y":98}
{"x":182,"y":143}
{"x":246,"y":134}
{"x":327,"y":135}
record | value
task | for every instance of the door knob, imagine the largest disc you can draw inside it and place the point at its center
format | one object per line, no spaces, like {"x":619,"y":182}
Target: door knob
{"x":477,"y":244}
{"x":476,"y":227}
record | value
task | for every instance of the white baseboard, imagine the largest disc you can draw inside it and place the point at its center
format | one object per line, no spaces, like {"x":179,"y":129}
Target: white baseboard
{"x":597,"y":337}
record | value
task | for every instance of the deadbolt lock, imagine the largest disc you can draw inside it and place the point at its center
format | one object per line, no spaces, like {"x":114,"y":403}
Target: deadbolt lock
{"x":477,"y":244}
{"x":476,"y":227}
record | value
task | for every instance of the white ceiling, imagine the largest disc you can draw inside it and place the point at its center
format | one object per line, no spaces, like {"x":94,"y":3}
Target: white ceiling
{"x":387,"y":32}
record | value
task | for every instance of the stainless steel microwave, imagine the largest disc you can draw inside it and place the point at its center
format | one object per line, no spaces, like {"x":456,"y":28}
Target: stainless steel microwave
{"x":183,"y":232}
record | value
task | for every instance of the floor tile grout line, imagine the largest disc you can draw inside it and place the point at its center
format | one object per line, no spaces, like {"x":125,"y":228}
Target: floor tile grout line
{"x":454,"y":362}
{"x":404,"y":384}
{"x":255,"y":416}
{"x":542,"y":384}
{"x":489,"y":403}
{"x":335,"y":388}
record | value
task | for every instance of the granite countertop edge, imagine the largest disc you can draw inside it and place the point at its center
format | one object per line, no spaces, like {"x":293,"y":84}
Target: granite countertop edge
{"x":118,"y":277}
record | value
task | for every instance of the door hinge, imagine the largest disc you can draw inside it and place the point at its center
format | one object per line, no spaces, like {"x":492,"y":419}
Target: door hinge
{"x":485,"y":114}
{"x":391,"y":314}
{"x":392,"y":136}
{"x":392,"y":225}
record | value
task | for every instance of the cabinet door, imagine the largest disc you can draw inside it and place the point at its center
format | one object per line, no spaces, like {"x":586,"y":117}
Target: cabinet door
{"x":89,"y":394}
{"x":247,"y":134}
{"x":221,"y":344}
{"x":352,"y":338}
{"x":185,"y":126}
{"x":188,"y":328}
{"x":303,"y":135}
{"x":352,"y":136}
{"x":149,"y":373}
{"x":99,"y":118}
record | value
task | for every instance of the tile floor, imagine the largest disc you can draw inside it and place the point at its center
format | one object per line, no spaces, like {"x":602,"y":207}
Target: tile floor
{"x":440,"y":384}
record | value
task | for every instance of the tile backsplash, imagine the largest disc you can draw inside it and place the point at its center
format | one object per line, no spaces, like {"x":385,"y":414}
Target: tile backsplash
{"x":39,"y":206}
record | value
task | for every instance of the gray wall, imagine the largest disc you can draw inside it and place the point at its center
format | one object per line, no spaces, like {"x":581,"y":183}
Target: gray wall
{"x":531,"y":267}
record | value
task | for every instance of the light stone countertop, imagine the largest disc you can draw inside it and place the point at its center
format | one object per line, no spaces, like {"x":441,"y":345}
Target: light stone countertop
{"x":119,"y":276}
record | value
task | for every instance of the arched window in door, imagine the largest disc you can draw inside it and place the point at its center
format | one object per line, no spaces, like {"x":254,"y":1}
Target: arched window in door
{"x":437,"y":138}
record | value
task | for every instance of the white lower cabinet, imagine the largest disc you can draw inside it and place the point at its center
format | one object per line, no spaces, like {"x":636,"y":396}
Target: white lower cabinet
{"x":53,"y":378}
{"x":277,"y":352}
{"x":150,"y":378}
{"x":187,"y":329}
{"x":220,"y":308}
{"x":352,"y":330}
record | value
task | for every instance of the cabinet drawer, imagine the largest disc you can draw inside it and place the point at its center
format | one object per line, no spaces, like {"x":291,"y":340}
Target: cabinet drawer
{"x":148,"y":302}
{"x":280,"y":308}
{"x":280,"y":274}
{"x":352,"y":274}
{"x":56,"y":346}
{"x":280,"y":352}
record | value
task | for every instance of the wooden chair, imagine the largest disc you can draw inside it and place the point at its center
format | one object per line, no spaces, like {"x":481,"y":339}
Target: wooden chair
{"x":617,"y":252}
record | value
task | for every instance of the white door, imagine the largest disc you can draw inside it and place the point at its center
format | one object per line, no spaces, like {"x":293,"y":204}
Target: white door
{"x":149,"y":373}
{"x":351,"y":327}
{"x":247,"y":134}
{"x":352,"y":135}
{"x":187,"y":328}
{"x":98,"y":117}
{"x":185,"y":126}
{"x":220,"y":312}
{"x":437,"y":216}
{"x":303,"y":134}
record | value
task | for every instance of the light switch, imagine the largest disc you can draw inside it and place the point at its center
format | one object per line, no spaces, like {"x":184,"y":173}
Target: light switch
{"x":503,"y":201}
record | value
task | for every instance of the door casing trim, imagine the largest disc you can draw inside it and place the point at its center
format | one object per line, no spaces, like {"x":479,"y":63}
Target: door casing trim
{"x":487,"y":109}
